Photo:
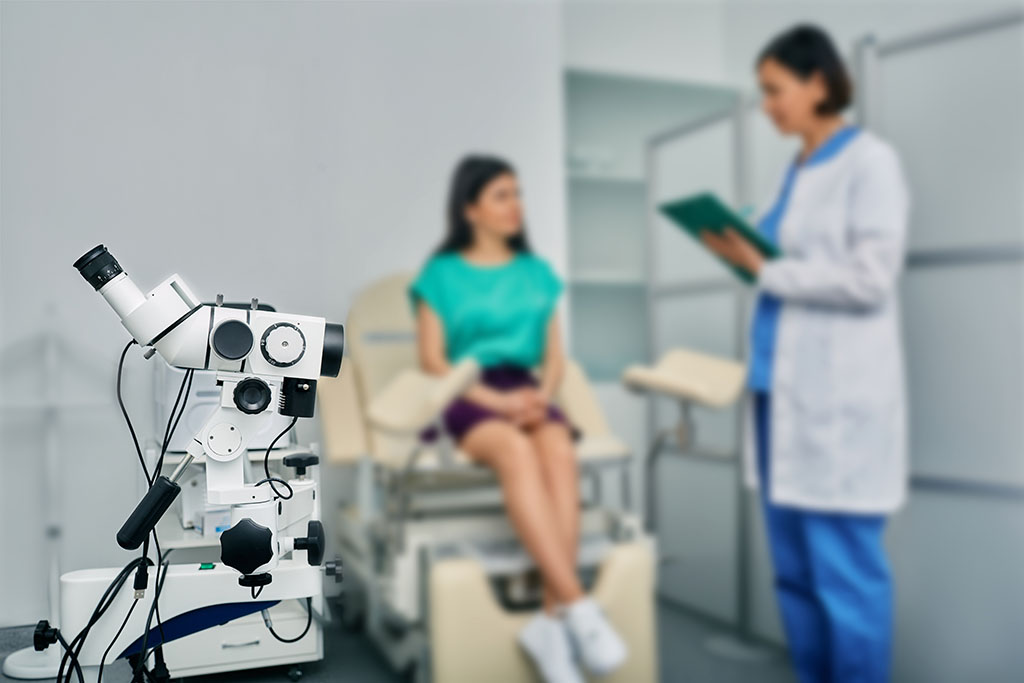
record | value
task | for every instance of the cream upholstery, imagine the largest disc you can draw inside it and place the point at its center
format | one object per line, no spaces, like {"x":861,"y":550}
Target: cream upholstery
{"x":463,"y":602}
{"x":381,"y":401}
{"x":692,"y":376}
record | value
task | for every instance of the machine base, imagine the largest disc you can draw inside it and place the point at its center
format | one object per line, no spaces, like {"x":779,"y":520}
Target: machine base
{"x":28,"y":664}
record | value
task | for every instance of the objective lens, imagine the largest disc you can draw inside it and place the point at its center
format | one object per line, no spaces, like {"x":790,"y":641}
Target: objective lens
{"x":98,"y":266}
{"x":334,"y":349}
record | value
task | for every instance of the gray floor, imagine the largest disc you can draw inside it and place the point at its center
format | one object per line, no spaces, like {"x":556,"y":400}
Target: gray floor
{"x":350,"y":657}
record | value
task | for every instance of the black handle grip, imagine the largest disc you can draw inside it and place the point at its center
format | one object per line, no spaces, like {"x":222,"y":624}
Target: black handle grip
{"x":147,"y":513}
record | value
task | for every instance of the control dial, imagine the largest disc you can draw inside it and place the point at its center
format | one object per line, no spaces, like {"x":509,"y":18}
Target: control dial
{"x":283,"y":345}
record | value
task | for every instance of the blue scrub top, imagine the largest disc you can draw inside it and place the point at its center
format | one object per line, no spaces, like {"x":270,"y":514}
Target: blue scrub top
{"x":766,"y":315}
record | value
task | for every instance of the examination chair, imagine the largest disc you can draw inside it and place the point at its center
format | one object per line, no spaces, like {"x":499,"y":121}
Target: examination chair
{"x":434,"y":571}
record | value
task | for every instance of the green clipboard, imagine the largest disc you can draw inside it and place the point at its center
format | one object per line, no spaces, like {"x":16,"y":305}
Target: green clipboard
{"x":705,"y":211}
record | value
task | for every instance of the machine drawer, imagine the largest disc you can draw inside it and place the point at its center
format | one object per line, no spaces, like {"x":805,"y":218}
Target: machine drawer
{"x":245,"y":643}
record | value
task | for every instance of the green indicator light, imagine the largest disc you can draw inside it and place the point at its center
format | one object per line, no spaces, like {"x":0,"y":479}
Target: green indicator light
{"x":206,"y":565}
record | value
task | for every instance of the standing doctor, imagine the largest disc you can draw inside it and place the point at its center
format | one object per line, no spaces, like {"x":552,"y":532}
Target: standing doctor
{"x":826,"y":366}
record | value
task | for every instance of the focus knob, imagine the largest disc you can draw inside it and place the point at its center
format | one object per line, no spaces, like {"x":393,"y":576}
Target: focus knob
{"x":246,"y":546}
{"x":313,"y":543}
{"x":252,"y":395}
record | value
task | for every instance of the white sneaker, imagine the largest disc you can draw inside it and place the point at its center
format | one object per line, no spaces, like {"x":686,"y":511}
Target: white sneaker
{"x":546,"y":641}
{"x":600,"y":648}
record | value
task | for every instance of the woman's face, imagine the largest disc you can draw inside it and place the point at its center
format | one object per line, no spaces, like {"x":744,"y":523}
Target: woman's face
{"x":790,"y":101}
{"x":498,"y":211}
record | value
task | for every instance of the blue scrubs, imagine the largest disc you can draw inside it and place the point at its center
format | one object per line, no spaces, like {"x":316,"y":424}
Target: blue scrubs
{"x":832,"y":578}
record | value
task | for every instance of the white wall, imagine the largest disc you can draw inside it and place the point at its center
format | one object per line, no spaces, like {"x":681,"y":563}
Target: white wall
{"x":291,"y":151}
{"x":679,"y":40}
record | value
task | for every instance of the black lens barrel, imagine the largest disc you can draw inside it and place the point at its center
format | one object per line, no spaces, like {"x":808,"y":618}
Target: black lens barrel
{"x":98,"y":266}
{"x":334,"y":350}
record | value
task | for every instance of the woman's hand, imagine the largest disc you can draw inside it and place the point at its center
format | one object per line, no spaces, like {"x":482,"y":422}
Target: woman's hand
{"x":732,"y":247}
{"x":524,"y":407}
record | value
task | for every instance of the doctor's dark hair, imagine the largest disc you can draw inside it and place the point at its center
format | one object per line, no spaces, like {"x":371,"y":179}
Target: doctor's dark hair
{"x":472,"y":174}
{"x":806,"y":50}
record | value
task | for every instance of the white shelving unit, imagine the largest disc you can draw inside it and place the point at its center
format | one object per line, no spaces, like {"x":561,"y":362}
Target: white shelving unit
{"x":609,"y":119}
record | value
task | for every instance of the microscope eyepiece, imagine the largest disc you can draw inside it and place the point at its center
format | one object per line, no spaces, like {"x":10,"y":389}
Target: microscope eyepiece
{"x":98,"y":266}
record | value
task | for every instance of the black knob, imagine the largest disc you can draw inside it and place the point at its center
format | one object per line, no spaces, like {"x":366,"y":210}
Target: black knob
{"x":314,"y":543}
{"x":44,"y":636}
{"x":232,"y":340}
{"x":333,"y":568}
{"x":300,"y":461}
{"x":246,"y":546}
{"x":252,"y":395}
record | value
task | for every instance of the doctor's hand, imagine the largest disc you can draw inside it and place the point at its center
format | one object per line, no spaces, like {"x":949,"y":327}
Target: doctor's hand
{"x":731,"y":246}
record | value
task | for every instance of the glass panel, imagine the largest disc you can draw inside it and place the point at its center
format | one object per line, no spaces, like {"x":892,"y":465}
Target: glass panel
{"x":957,"y":563}
{"x":964,"y":334}
{"x":955,"y":113}
{"x":697,"y":535}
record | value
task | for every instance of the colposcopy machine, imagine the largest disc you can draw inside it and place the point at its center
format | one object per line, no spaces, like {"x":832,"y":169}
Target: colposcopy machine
{"x":267,"y":365}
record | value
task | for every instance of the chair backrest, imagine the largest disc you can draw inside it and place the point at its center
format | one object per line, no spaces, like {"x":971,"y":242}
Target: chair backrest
{"x":381,"y":342}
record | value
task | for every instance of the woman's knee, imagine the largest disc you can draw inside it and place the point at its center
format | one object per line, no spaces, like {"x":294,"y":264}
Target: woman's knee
{"x":516,"y":456}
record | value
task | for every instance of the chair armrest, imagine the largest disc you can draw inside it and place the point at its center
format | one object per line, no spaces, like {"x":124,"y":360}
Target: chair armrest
{"x":413,"y":400}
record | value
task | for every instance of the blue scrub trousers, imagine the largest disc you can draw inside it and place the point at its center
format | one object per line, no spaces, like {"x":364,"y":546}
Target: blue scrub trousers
{"x":832,"y":582}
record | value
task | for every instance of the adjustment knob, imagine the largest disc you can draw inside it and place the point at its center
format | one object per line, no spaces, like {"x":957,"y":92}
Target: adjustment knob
{"x":314,"y":543}
{"x":252,"y":395}
{"x":300,"y":461}
{"x":333,"y":568}
{"x":232,"y":340}
{"x":246,"y":546}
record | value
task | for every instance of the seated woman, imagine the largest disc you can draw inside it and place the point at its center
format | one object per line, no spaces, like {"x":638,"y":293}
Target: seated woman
{"x":483,"y":295}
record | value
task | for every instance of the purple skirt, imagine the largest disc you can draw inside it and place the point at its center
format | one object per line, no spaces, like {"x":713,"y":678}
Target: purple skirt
{"x":462,"y":415}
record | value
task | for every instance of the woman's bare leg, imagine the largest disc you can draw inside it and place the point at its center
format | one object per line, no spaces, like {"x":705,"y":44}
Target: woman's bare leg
{"x":557,"y":459}
{"x":510,"y":453}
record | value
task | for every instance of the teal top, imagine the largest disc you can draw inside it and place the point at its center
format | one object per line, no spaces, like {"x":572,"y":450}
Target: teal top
{"x":497,"y":315}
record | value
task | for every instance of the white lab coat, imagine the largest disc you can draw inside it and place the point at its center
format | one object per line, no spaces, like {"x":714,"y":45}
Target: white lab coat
{"x":838,"y":409}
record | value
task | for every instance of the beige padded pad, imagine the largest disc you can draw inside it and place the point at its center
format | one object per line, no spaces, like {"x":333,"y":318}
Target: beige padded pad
{"x":689,"y":375}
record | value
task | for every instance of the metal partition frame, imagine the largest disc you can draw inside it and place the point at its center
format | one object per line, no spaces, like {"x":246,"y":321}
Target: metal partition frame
{"x":657,"y":292}
{"x":869,"y":64}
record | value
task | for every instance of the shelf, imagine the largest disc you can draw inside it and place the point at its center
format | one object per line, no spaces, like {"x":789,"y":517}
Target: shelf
{"x":609,"y":278}
{"x":609,"y":179}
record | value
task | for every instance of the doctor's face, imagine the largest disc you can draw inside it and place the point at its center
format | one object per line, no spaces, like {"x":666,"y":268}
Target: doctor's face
{"x":789,"y":100}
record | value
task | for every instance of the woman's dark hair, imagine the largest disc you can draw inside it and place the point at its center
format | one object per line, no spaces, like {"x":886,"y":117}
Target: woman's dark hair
{"x":472,"y":174}
{"x":806,"y":50}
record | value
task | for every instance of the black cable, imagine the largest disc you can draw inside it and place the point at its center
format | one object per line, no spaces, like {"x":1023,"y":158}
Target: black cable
{"x":271,"y":480}
{"x":124,"y":411}
{"x":255,"y":591}
{"x":266,"y":462}
{"x":309,"y":622}
{"x":175,"y":417}
{"x":101,"y":607}
{"x":103,"y":659}
{"x":156,"y":598}
{"x":74,"y":658}
{"x":106,"y":600}
{"x":161,"y":577}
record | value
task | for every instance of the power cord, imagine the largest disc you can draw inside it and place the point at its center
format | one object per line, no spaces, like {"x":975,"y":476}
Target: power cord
{"x":270,"y":479}
{"x":309,"y":622}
